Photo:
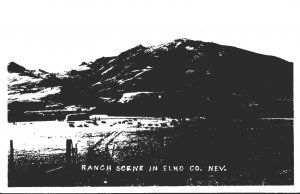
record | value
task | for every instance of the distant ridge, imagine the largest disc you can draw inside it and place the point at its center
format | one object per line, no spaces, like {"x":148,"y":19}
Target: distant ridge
{"x":183,"y":76}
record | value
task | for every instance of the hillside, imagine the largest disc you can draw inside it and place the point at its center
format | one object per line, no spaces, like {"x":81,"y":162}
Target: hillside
{"x":183,"y":77}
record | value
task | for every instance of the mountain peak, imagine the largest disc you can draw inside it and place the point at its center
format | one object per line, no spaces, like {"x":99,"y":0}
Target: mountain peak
{"x":182,"y":40}
{"x":15,"y":68}
{"x":136,"y":48}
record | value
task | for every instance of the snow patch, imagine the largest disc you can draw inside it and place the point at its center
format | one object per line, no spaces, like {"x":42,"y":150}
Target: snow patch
{"x":83,"y":68}
{"x":140,"y":72}
{"x":189,"y":48}
{"x":96,"y":84}
{"x":179,"y":43}
{"x":104,"y":72}
{"x":111,"y":61}
{"x":207,"y":72}
{"x":190,"y":71}
{"x":221,"y":53}
{"x":131,"y":95}
{"x":15,"y":78}
{"x":34,"y":96}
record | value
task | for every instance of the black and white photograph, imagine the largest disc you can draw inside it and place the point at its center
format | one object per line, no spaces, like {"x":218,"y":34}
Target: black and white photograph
{"x":120,"y":95}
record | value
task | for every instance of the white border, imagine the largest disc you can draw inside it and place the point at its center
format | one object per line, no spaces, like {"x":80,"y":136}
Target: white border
{"x":272,"y":25}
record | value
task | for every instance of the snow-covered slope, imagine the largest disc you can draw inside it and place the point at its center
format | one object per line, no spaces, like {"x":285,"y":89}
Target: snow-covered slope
{"x":180,"y":73}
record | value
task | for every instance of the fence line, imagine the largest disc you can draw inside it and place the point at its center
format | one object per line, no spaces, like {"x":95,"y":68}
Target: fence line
{"x":11,"y":156}
{"x":71,"y":156}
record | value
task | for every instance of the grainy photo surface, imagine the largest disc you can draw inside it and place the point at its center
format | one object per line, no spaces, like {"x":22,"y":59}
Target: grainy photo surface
{"x":149,"y":96}
{"x":181,"y":113}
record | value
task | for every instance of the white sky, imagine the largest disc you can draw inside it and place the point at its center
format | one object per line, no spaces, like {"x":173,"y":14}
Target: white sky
{"x":57,"y":35}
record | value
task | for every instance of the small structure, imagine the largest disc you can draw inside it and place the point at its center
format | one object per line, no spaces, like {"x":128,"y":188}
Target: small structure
{"x":77,"y":117}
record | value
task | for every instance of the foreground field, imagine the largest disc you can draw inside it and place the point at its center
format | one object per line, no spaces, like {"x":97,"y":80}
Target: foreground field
{"x":245,"y":152}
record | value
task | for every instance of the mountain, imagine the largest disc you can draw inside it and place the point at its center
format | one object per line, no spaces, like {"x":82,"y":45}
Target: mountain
{"x":183,"y":77}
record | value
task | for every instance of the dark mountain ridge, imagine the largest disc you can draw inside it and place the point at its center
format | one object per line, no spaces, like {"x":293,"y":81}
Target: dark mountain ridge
{"x":183,"y":77}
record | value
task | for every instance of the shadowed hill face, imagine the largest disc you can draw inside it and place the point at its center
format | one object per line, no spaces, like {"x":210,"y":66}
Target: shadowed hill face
{"x":183,"y":73}
{"x":15,"y":68}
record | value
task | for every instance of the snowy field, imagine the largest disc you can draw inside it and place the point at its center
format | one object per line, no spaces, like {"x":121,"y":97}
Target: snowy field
{"x":49,"y":137}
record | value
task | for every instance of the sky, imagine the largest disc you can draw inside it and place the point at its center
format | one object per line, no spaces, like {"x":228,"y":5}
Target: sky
{"x":56,"y":35}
